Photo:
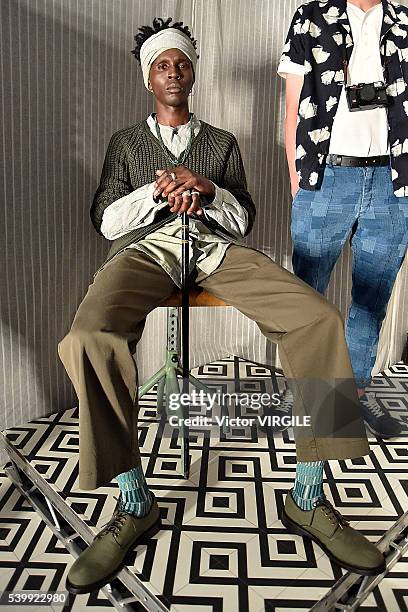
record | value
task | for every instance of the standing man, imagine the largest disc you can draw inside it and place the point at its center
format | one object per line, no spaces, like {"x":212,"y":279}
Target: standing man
{"x":346,"y":69}
{"x":169,"y":163}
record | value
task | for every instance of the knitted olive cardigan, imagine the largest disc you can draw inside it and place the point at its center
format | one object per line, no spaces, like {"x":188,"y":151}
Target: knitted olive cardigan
{"x":134,"y":155}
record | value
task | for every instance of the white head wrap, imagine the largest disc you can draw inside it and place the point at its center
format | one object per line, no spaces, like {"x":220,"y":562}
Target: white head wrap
{"x":170,"y":38}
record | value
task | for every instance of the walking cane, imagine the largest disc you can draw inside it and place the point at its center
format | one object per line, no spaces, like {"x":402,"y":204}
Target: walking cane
{"x":185,"y":319}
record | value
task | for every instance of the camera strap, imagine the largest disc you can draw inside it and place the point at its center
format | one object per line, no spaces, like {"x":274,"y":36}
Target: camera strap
{"x":345,"y":60}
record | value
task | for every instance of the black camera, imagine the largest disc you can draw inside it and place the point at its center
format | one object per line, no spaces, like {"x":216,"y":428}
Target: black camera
{"x":366,"y":96}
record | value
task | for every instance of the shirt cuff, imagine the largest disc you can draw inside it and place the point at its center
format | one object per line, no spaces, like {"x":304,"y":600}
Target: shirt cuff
{"x":227,"y":212}
{"x":286,"y":66}
{"x":136,"y":209}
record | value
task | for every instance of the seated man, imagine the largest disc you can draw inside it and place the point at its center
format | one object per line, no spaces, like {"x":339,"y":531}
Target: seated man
{"x":153,"y":171}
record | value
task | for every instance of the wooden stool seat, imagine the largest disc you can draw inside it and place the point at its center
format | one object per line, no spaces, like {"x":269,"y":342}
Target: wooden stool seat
{"x":197,"y":297}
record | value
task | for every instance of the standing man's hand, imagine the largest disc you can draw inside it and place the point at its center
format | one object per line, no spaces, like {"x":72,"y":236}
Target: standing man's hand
{"x":294,"y":186}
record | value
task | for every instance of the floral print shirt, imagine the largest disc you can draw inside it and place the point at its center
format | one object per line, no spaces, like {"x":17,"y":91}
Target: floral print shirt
{"x":319,"y":39}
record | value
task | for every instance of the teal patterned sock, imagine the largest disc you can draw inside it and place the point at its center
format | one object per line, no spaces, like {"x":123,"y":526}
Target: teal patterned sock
{"x":308,"y":484}
{"x":135,"y":494}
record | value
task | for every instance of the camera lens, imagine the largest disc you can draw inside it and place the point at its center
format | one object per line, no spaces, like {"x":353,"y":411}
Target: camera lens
{"x":367,"y":93}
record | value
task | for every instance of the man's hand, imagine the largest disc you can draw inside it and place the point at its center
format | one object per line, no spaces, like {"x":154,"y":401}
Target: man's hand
{"x":183,"y":192}
{"x":188,"y":201}
{"x":179,"y":179}
{"x":294,"y":186}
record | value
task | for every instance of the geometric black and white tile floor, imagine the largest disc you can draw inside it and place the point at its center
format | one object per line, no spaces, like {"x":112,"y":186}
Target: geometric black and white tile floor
{"x":222,"y":546}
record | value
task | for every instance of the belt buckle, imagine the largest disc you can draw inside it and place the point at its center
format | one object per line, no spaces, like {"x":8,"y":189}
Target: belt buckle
{"x":339,"y":159}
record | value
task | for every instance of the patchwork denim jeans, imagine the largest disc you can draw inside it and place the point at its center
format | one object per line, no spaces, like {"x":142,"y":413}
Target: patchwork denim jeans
{"x":356,"y":202}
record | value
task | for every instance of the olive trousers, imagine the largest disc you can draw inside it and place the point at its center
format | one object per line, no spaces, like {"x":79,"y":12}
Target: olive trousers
{"x":97,"y":355}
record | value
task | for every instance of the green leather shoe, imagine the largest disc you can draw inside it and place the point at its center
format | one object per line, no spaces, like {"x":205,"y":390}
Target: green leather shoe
{"x":343,"y":544}
{"x":106,"y":555}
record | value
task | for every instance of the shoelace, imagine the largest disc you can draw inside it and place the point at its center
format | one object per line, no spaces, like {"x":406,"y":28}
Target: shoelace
{"x":332,"y":513}
{"x":372,"y":405}
{"x":115,"y":523}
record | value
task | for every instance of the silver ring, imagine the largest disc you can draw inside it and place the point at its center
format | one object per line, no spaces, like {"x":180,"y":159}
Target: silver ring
{"x":195,"y":193}
{"x":187,"y":192}
{"x":173,"y":176}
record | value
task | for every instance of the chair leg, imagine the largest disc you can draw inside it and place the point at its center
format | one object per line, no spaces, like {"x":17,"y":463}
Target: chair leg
{"x":160,"y":393}
{"x":167,"y":383}
{"x":172,"y":387}
{"x":143,"y":389}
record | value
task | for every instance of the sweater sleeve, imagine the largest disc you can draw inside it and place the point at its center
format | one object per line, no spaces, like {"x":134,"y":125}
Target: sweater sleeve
{"x":115,"y":181}
{"x":234,"y":181}
{"x":227,"y":212}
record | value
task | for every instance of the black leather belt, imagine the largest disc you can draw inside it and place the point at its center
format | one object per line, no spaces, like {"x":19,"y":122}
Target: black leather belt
{"x":358,"y":162}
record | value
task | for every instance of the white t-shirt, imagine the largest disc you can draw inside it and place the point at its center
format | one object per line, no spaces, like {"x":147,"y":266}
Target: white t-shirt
{"x":359,"y":133}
